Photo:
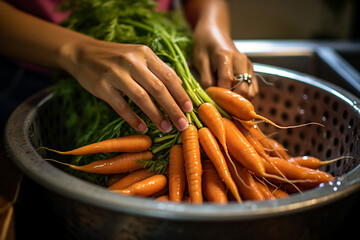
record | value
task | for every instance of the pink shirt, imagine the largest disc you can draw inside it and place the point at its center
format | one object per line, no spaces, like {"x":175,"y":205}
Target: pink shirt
{"x":47,"y":9}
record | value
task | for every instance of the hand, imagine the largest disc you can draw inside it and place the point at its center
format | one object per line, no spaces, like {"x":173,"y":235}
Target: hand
{"x":111,"y":70}
{"x":214,"y":52}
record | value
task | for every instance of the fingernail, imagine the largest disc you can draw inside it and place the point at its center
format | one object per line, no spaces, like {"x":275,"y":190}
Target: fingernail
{"x":188,"y":106}
{"x":165,"y":125}
{"x":142,"y":127}
{"x":183,"y":124}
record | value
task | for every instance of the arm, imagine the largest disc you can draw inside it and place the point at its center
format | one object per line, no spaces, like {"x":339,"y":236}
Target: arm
{"x":214,"y":50}
{"x":104,"y":69}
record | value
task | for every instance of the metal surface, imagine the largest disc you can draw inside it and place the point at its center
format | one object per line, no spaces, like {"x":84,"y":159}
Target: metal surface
{"x":88,"y":211}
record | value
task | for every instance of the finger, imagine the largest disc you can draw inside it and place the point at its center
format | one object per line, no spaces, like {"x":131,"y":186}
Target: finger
{"x":224,"y":66}
{"x":119,"y":104}
{"x":159,"y":91}
{"x":202,"y":64}
{"x":254,"y":87}
{"x":172,"y":82}
{"x":141,"y":98}
{"x":240,"y":65}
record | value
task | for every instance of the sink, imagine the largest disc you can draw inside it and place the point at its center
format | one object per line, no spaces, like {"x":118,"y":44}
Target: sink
{"x":335,"y":62}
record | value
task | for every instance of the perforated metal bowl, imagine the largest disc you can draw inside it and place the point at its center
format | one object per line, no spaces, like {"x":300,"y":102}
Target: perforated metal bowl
{"x":87,"y":211}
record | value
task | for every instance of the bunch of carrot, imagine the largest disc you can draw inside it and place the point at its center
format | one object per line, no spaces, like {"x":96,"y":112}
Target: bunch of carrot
{"x":219,"y":159}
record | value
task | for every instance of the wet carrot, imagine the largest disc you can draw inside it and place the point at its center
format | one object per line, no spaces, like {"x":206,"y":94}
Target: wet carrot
{"x":313,"y":162}
{"x":265,"y":190}
{"x":131,"y":178}
{"x":247,"y":187}
{"x":277,"y":150}
{"x":192,"y":158}
{"x":177,"y":177}
{"x":146,"y":187}
{"x":122,"y":163}
{"x":277,"y":192}
{"x":133,"y":143}
{"x":305,"y":177}
{"x":213,"y":151}
{"x":163,"y":198}
{"x":242,"y":150}
{"x":239,"y":107}
{"x":213,"y":187}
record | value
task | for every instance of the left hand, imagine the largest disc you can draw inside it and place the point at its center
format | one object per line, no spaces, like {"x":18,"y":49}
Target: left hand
{"x":218,"y":61}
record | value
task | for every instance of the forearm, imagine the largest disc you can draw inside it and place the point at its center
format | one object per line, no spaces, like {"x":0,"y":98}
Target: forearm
{"x":214,"y":13}
{"x":31,"y":39}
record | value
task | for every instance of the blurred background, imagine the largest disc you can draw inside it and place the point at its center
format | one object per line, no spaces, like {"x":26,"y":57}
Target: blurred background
{"x":295,"y":19}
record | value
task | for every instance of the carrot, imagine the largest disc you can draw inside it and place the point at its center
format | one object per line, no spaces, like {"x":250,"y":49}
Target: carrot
{"x":249,"y":190}
{"x":122,"y":163}
{"x":238,"y":106}
{"x":133,"y":143}
{"x":312,"y":162}
{"x":242,"y":150}
{"x":192,"y":158}
{"x":163,"y":198}
{"x":213,"y":187}
{"x":146,"y":187}
{"x":113,"y":178}
{"x":130,"y":179}
{"x":213,"y":151}
{"x":277,"y":192}
{"x":277,"y":150}
{"x":177,"y":177}
{"x":265,"y":190}
{"x":212,"y":118}
{"x":305,"y":177}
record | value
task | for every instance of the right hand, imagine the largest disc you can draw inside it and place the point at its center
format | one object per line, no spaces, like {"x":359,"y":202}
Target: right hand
{"x":110,"y":70}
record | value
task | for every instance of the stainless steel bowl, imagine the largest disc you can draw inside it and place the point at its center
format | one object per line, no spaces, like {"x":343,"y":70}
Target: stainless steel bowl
{"x":87,"y":211}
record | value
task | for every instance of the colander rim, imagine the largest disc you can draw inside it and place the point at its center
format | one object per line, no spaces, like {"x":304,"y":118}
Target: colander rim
{"x":31,"y":163}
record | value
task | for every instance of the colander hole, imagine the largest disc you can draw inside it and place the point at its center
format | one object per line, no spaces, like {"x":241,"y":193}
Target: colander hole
{"x":301,"y":135}
{"x":313,"y":109}
{"x":347,"y":139}
{"x":336,"y":141}
{"x":316,"y":95}
{"x":326,"y":99}
{"x":345,"y":114}
{"x":342,"y":128}
{"x":335,"y":106}
{"x":326,"y":115}
{"x":291,"y":88}
{"x":276,"y":98}
{"x":297,"y":149}
{"x":328,"y":153}
{"x":297,"y":119}
{"x":284,"y":116}
{"x":351,"y":122}
{"x":273,"y":111}
{"x":288,"y":104}
{"x":320,"y":148}
{"x":335,"y":121}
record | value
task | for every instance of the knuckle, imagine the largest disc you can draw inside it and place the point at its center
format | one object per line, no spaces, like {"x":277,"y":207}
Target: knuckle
{"x":158,"y":87}
{"x":140,"y":94}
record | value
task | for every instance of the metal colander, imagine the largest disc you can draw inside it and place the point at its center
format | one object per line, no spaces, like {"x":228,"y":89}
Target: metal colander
{"x":87,"y":211}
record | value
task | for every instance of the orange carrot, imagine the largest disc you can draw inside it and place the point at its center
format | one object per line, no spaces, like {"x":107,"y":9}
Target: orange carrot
{"x":213,"y":151}
{"x":242,"y":150}
{"x":305,"y":177}
{"x":312,"y":162}
{"x":131,"y":178}
{"x":146,"y":187}
{"x":113,"y":178}
{"x":192,"y":158}
{"x":277,"y":150}
{"x":213,"y":187}
{"x":277,"y":192}
{"x":122,"y":163}
{"x":177,"y":177}
{"x":249,"y":190}
{"x":163,"y":198}
{"x":133,"y":143}
{"x":238,"y":106}
{"x":265,"y":190}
